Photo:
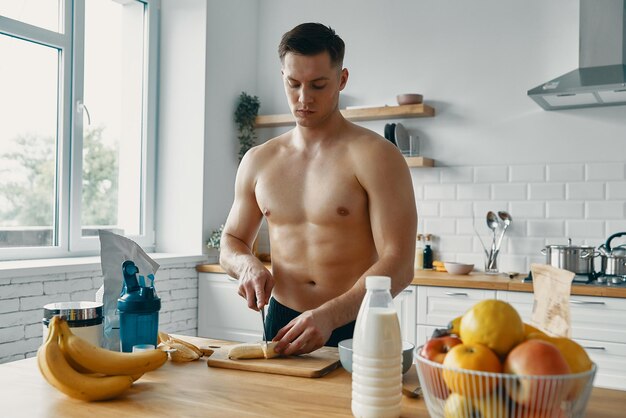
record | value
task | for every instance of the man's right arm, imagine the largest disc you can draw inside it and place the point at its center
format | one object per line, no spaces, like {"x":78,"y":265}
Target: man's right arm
{"x":240,"y":230}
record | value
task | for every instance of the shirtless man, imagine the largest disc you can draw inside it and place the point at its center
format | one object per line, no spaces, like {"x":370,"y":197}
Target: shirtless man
{"x":338,"y":200}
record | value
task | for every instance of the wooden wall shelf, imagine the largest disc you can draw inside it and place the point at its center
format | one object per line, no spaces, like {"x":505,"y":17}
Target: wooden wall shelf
{"x":363,"y":114}
{"x":419,"y":162}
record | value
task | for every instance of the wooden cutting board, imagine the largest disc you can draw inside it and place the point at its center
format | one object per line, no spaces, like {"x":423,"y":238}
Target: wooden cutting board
{"x":315,"y":364}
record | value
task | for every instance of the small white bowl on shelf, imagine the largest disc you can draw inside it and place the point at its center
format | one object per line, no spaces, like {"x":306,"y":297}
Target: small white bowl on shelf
{"x":458,"y":268}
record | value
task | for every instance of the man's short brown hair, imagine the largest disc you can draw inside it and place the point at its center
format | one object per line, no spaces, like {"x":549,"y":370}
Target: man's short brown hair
{"x":312,"y":39}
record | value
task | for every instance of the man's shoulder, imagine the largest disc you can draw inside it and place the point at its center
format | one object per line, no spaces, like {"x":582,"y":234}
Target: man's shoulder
{"x":364,"y":140}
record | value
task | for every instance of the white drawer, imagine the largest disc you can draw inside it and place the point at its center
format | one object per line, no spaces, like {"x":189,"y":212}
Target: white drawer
{"x":611,"y":361}
{"x":437,"y":306}
{"x":593,"y":318}
{"x":598,"y":318}
{"x":424,"y":332}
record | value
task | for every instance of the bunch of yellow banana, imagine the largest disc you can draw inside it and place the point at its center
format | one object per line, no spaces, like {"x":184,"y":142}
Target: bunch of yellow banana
{"x":182,"y":351}
{"x":84,"y":371}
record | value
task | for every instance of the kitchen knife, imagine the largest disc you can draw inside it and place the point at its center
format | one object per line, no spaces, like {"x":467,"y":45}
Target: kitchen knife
{"x":262,"y":310}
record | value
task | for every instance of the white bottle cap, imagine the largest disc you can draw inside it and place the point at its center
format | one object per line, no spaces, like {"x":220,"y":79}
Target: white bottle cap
{"x":378,"y":282}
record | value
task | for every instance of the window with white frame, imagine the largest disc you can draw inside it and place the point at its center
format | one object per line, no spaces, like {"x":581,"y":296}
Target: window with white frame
{"x":77,"y":124}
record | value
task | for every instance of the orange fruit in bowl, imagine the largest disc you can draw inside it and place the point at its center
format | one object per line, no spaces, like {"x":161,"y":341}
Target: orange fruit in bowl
{"x":529,"y":329}
{"x":474,"y":357}
{"x":494,"y":323}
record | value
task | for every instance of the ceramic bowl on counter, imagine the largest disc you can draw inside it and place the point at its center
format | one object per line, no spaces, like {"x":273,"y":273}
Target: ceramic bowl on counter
{"x":458,"y":268}
{"x":345,"y":355}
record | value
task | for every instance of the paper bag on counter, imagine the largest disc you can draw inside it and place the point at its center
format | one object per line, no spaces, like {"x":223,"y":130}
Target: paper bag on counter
{"x":114,"y":250}
{"x":552,"y":288}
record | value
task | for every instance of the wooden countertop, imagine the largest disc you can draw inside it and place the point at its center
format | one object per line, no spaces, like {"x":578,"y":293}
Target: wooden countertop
{"x":475,"y":280}
{"x":195,"y":390}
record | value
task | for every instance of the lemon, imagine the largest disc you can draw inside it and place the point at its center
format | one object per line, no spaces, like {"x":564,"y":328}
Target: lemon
{"x":494,"y":323}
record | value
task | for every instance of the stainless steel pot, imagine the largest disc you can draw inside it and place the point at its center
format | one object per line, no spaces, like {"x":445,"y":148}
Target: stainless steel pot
{"x":575,"y":258}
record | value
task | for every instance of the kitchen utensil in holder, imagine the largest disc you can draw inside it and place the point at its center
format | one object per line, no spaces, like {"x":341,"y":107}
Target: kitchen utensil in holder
{"x":491,"y":263}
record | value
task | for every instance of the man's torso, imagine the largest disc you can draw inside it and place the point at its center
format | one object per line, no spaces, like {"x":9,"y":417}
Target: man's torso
{"x":318,"y":218}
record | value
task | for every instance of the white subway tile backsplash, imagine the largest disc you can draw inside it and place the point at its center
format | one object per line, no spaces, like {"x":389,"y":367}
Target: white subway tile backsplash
{"x":429,"y":176}
{"x":457,"y":174}
{"x":586,"y":229}
{"x":527,"y":173}
{"x":440,"y":191}
{"x":565,"y":210}
{"x":464,"y":227}
{"x":455,"y":244}
{"x":613,"y":227}
{"x":542,"y":228}
{"x":512,"y":263}
{"x":509,"y":191}
{"x":455,"y":209}
{"x":11,"y":334}
{"x":616,"y":190}
{"x":525,"y":246}
{"x":491,"y":174}
{"x":473,"y":192}
{"x":565,"y":172}
{"x":439,"y":226}
{"x":604,"y":171}
{"x":547,"y":191}
{"x":528,"y":210}
{"x":585,"y":191}
{"x":66,"y":286}
{"x":427,"y":209}
{"x":604,"y":210}
{"x":418,"y":191}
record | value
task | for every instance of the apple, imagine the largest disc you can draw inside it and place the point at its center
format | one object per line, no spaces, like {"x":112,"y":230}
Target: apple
{"x":537,"y":358}
{"x":575,"y":355}
{"x":476,"y":357}
{"x":436,"y":349}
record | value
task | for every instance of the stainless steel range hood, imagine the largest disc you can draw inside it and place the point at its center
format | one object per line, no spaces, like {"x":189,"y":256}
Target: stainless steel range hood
{"x":600,"y":79}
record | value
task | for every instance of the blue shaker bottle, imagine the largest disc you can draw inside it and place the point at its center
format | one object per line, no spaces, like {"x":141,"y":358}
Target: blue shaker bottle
{"x":138,"y":307}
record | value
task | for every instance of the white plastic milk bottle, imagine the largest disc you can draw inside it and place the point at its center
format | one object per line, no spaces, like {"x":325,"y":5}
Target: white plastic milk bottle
{"x":377,"y":354}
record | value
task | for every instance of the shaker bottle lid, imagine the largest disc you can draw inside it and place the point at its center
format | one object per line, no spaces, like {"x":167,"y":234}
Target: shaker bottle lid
{"x":143,"y":300}
{"x":378,"y":282}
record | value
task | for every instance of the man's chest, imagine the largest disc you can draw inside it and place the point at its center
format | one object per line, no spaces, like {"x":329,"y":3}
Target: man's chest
{"x":291,"y":194}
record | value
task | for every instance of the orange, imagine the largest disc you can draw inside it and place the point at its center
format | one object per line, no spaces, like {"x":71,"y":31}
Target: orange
{"x":494,"y":323}
{"x":529,"y":329}
{"x":476,"y":357}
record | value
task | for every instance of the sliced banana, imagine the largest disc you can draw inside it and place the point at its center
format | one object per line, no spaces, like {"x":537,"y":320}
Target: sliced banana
{"x":253,"y":350}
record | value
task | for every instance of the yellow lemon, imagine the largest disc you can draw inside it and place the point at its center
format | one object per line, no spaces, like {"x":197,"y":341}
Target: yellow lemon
{"x":494,"y":323}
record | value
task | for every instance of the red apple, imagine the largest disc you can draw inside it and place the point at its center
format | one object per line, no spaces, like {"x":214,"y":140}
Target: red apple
{"x":436,"y":349}
{"x":537,"y":358}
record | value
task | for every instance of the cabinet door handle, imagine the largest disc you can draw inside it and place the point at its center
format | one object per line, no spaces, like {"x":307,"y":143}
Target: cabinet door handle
{"x":595,"y":348}
{"x":456,"y":294}
{"x":586,"y":302}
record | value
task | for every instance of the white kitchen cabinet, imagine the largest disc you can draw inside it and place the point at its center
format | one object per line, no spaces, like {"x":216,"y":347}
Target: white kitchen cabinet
{"x":437,"y":306}
{"x":597,"y":325}
{"x":222,"y":313}
{"x":405,"y":303}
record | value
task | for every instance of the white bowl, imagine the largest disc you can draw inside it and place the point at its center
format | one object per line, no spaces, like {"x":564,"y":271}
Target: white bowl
{"x":345,"y":355}
{"x":457,"y":268}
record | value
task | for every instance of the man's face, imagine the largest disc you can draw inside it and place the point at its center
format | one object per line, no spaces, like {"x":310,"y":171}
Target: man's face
{"x":312,"y":86}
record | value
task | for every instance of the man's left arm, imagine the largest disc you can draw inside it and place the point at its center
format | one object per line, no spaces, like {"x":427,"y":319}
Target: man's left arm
{"x":393,"y":219}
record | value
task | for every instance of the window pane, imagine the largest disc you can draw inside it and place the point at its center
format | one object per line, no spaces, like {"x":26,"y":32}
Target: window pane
{"x":28,"y":143}
{"x":113,"y":94}
{"x":42,"y":13}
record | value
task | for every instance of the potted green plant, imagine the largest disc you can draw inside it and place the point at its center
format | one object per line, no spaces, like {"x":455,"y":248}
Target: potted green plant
{"x":214,"y":240}
{"x":245,"y":116}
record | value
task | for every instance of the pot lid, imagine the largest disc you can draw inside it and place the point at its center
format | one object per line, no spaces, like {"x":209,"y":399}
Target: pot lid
{"x":569,"y":245}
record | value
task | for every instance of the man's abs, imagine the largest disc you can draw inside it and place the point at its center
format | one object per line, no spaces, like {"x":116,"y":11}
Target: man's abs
{"x":314,"y":264}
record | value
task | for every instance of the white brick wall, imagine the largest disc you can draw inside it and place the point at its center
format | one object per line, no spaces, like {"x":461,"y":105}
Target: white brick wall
{"x":22,"y":300}
{"x":548,"y":203}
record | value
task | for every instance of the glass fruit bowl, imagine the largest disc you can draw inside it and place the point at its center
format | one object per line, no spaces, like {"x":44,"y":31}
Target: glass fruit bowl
{"x":459,"y":393}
